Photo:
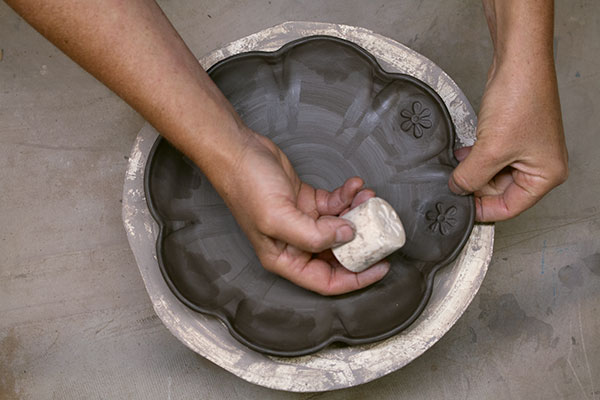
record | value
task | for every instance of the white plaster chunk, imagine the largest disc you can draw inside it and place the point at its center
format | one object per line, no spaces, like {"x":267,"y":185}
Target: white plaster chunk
{"x":379,"y":232}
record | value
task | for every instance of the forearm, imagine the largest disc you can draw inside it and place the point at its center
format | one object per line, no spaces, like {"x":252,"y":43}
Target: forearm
{"x":132,"y":48}
{"x":522,"y":32}
{"x":520,"y":153}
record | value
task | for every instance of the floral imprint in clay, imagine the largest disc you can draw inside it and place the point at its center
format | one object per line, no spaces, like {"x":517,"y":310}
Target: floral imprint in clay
{"x":335,"y":113}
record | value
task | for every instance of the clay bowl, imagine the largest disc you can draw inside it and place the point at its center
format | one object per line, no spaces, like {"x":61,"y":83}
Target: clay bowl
{"x":335,"y":113}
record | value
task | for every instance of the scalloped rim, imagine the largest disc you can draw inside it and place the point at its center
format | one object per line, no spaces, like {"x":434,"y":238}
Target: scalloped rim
{"x":334,"y":338}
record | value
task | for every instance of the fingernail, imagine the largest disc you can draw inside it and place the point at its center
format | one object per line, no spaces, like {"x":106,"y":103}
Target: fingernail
{"x":380,"y":269}
{"x":455,"y":188}
{"x":343,"y":234}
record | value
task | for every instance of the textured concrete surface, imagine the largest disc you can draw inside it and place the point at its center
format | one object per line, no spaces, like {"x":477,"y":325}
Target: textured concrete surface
{"x":75,"y":321}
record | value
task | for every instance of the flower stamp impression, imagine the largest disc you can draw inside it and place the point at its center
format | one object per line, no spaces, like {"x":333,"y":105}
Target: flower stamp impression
{"x":379,"y":232}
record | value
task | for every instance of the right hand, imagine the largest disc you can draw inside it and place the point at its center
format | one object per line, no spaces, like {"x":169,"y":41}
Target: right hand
{"x":520,"y":153}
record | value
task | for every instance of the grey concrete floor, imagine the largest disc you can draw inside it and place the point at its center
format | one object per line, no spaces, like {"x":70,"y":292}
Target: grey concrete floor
{"x":76,"y":322}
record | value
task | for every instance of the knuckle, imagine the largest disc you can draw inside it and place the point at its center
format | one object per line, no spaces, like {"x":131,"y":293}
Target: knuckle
{"x":336,"y":203}
{"x":564,"y":174}
{"x":269,"y":266}
{"x":321,"y":197}
{"x":462,"y":182}
{"x":267,"y":223}
{"x":315,"y":243}
{"x":559,"y":174}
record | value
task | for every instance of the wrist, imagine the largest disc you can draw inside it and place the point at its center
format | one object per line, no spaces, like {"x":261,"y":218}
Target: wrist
{"x":218,"y":150}
{"x":525,"y":72}
{"x":523,"y":60}
{"x":522,"y":34}
{"x":202,"y":124}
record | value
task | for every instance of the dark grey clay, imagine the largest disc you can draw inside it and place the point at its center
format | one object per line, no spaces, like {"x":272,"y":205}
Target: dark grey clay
{"x":336,"y":114}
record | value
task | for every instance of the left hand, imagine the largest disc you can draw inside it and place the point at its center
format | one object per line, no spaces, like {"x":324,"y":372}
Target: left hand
{"x":292,"y":225}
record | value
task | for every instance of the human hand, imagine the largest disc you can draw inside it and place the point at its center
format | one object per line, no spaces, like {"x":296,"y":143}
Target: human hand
{"x":288,"y":221}
{"x":285,"y":219}
{"x":520,"y":153}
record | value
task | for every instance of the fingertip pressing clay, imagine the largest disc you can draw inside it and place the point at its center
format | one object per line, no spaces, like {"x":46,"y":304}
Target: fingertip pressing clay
{"x":379,"y":232}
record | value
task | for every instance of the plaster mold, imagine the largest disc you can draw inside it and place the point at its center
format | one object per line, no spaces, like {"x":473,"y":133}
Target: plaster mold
{"x":333,"y":367}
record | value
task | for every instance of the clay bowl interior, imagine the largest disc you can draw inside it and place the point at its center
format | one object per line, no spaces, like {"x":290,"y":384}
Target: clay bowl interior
{"x":336,"y":114}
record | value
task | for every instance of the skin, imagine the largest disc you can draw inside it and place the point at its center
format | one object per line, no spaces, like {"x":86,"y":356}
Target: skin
{"x":520,"y":153}
{"x":132,"y":48}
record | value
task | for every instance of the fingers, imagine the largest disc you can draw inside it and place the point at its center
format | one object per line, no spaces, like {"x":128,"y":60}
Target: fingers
{"x":360,"y":198}
{"x":512,"y":197}
{"x":314,"y":228}
{"x":298,"y":229}
{"x":333,"y":203}
{"x":502,"y":207}
{"x":498,"y":185}
{"x":326,"y":279}
{"x":478,"y":167}
{"x":462,"y":153}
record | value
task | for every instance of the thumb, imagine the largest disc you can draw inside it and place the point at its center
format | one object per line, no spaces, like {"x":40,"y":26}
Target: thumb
{"x":307,"y":234}
{"x":478,"y":168}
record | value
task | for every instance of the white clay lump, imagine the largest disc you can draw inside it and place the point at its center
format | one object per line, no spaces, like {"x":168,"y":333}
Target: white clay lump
{"x":379,"y":232}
